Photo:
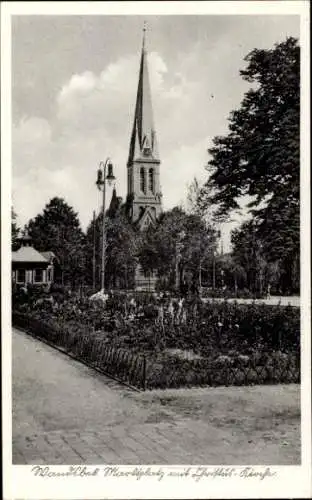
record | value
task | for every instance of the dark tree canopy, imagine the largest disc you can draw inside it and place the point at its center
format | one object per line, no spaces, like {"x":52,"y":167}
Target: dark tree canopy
{"x":250,"y":253}
{"x":120,"y":252}
{"x":176,"y":231}
{"x":58,"y":229}
{"x":260,"y":156}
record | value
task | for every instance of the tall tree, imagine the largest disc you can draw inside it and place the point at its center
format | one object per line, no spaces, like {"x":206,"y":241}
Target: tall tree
{"x":181,"y":236}
{"x":249,"y":253}
{"x":58,"y":229}
{"x":120,"y":251}
{"x":260,"y":155}
{"x":193,"y":197}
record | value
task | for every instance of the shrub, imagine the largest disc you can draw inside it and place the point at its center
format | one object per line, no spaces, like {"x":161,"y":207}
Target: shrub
{"x":230,"y":342}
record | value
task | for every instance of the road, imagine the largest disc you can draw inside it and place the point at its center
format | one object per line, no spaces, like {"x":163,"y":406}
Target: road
{"x":293,"y":301}
{"x":65,"y":413}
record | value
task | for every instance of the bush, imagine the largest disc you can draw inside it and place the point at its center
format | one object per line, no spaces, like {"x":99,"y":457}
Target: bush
{"x":59,"y":292}
{"x":27,"y":295}
{"x":225,"y":338}
{"x":203,"y":327}
{"x":174,"y":372}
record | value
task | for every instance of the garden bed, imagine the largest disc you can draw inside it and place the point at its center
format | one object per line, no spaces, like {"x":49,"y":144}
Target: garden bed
{"x":211,"y":344}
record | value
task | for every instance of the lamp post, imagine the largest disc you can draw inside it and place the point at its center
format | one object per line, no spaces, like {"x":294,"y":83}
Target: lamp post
{"x":178,"y":248}
{"x":214,"y":270}
{"x":104,"y":173}
{"x":94,"y":252}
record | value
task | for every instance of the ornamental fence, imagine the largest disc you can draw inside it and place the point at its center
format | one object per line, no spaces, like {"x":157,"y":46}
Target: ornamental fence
{"x":121,"y":364}
{"x":140,"y":373}
{"x":205,"y":372}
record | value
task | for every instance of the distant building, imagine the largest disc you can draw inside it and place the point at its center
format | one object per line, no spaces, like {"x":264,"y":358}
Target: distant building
{"x":30,"y":266}
{"x":144,"y":198}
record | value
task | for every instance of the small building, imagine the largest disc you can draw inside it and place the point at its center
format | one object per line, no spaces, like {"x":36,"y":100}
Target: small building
{"x":30,"y":266}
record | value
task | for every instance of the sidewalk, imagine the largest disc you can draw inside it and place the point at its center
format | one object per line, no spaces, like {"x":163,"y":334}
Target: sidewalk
{"x":65,"y":413}
{"x":293,"y":301}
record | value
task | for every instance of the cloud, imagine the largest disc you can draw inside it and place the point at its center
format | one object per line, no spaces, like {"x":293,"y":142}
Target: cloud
{"x":71,"y":118}
{"x":93,"y":116}
{"x":89,"y":101}
{"x":93,"y":119}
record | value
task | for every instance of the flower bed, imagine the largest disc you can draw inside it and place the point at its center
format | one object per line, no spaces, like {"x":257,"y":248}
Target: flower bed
{"x":209,"y":344}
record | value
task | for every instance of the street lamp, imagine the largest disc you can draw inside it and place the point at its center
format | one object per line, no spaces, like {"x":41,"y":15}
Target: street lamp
{"x":104,"y":173}
{"x":179,"y":245}
{"x":213,"y":270}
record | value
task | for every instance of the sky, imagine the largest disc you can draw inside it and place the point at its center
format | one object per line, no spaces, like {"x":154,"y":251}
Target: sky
{"x":74,"y":83}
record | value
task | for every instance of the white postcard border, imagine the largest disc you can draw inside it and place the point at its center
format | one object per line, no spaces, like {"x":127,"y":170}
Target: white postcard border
{"x":19,"y":481}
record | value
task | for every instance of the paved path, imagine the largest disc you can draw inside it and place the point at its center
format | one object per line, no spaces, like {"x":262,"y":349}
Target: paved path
{"x":65,"y":413}
{"x":293,"y":301}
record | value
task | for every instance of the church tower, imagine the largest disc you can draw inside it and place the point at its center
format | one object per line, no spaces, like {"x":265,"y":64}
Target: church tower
{"x":144,"y":196}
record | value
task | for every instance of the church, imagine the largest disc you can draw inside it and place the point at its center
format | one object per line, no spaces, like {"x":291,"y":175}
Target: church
{"x":144,"y":197}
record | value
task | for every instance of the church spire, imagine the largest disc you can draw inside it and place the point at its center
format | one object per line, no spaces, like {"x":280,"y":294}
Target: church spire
{"x":143,"y":143}
{"x":144,"y":33}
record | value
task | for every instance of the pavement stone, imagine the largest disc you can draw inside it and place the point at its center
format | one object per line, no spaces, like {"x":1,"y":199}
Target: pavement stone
{"x":65,"y":413}
{"x":139,"y":444}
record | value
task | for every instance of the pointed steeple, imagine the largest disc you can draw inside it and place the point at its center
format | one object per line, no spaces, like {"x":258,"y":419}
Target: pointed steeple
{"x":114,"y":204}
{"x":143,"y":143}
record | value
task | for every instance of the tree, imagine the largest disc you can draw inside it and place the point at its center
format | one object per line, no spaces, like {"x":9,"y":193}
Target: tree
{"x":14,"y":230}
{"x":260,"y":155}
{"x":249,"y":253}
{"x":57,"y":229}
{"x":177,"y":236}
{"x":193,"y":198}
{"x":233,"y":276}
{"x":121,"y":248}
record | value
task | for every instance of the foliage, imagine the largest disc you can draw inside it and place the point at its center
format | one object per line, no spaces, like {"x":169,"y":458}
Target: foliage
{"x":177,"y":236}
{"x":259,"y":158}
{"x":248,"y":251}
{"x":198,"y":346}
{"x":120,"y":252}
{"x":90,"y":349}
{"x":202,"y":326}
{"x":193,"y":195}
{"x":57,"y":229}
{"x":174,"y":372}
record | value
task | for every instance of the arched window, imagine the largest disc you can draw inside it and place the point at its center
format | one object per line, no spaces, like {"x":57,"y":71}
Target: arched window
{"x":151,"y":180}
{"x":142,"y":180}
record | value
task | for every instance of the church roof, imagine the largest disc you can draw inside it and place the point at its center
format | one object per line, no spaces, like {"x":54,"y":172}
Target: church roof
{"x":28,"y":254}
{"x":146,"y":219}
{"x":114,"y":204}
{"x":143,"y":143}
